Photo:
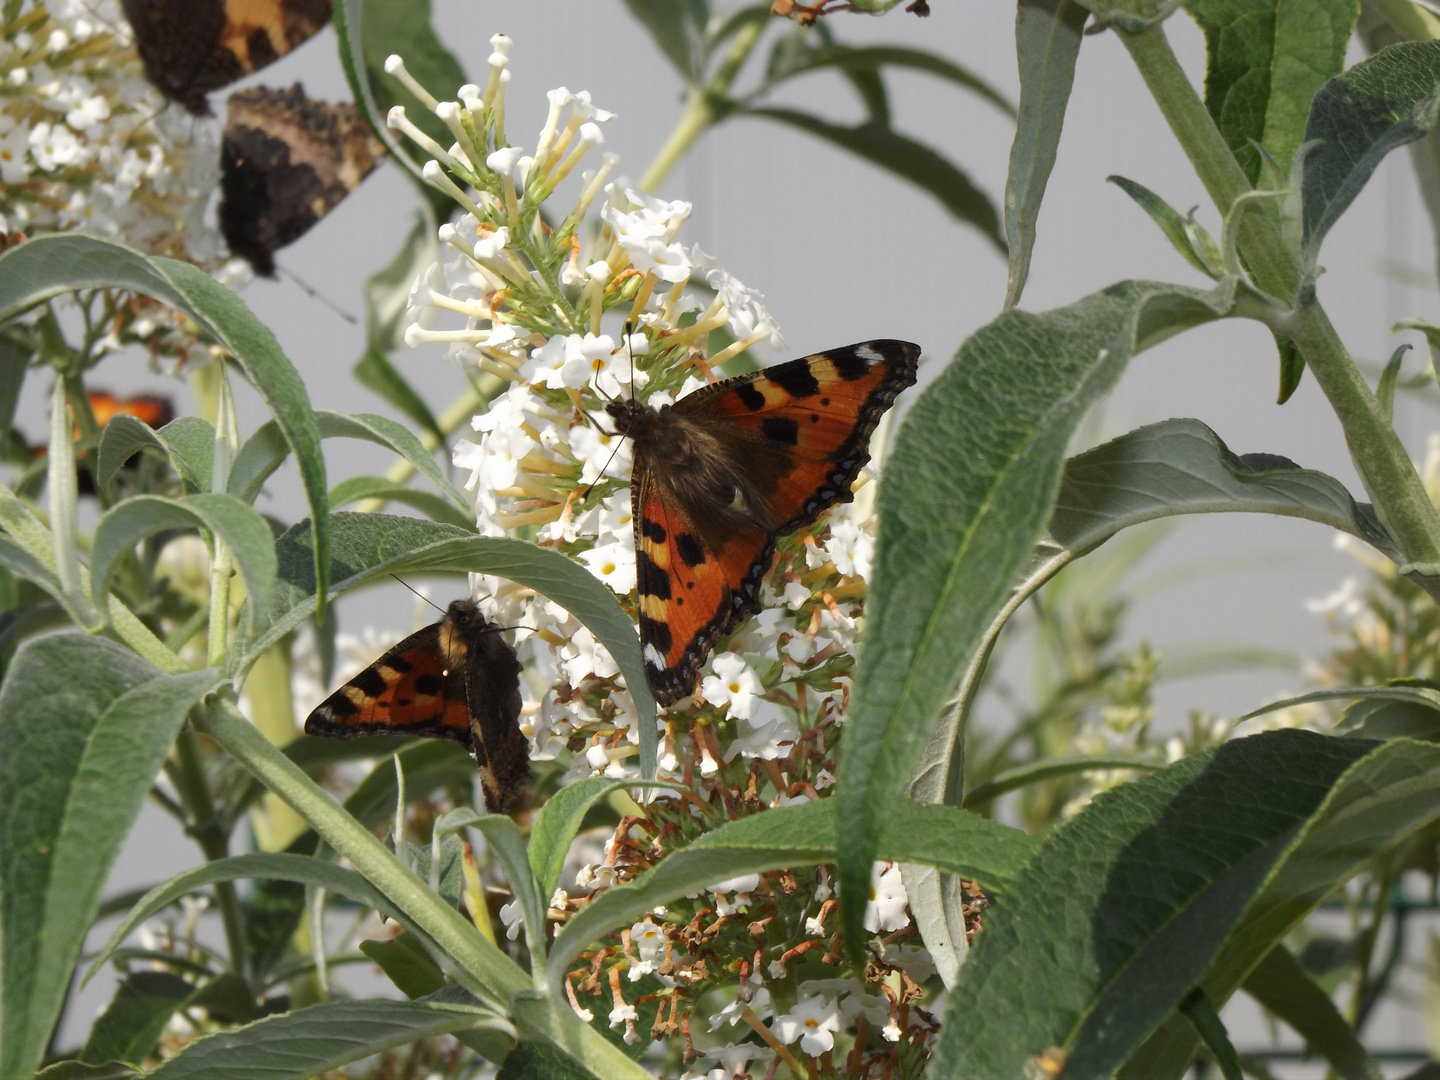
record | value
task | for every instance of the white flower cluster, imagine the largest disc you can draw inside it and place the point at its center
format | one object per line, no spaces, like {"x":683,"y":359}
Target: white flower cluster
{"x":523,"y":301}
{"x":87,"y":143}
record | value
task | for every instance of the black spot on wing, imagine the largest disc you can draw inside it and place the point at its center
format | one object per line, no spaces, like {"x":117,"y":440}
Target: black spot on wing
{"x":651,"y":580}
{"x":337,"y":707}
{"x":794,"y":378}
{"x":653,"y":531}
{"x":658,"y":634}
{"x":849,"y":366}
{"x":690,"y":549}
{"x":751,"y":398}
{"x":400,"y":664}
{"x":781,"y":429}
{"x":369,"y":682}
{"x":428,"y":685}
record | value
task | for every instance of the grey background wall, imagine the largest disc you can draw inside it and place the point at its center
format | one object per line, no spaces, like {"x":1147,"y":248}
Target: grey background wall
{"x":844,"y":251}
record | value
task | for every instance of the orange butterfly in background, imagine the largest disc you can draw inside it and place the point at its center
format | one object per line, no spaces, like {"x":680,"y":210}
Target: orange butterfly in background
{"x":723,"y":472}
{"x":455,"y":679}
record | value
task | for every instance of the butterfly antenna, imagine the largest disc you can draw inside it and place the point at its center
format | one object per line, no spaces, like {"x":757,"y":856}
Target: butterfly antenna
{"x":591,"y":486}
{"x":630,"y":326}
{"x":316,"y":294}
{"x":418,"y":593}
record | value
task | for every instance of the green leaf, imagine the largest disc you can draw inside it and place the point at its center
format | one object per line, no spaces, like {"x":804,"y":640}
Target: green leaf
{"x":1047,"y":41}
{"x":959,"y":842}
{"x":279,"y":866}
{"x":407,"y":28}
{"x":866,"y":58}
{"x":387,"y":293}
{"x":1281,"y":985}
{"x":406,"y":964}
{"x":1381,"y":801}
{"x":86,"y":725}
{"x":556,"y":824}
{"x":1184,"y":878}
{"x":24,"y":565}
{"x":260,"y":455}
{"x":1359,"y":117}
{"x":1265,"y":61}
{"x":76,"y":1070}
{"x":372,"y":546}
{"x":1208,"y":1025}
{"x":1033,"y":772}
{"x":134,"y":1020}
{"x":971,"y":483}
{"x":128,"y":522}
{"x":885,"y":147}
{"x":1292,"y":368}
{"x":1182,"y":467}
{"x":126,"y":436}
{"x":14,"y":363}
{"x":1377,"y":718}
{"x":301,"y":1044}
{"x":397,"y":437}
{"x":264,"y":452}
{"x":1176,"y":229}
{"x":347,"y":17}
{"x":678,"y":28}
{"x":377,"y":487}
{"x":190,"y":442}
{"x":541,"y":1061}
{"x":47,"y":266}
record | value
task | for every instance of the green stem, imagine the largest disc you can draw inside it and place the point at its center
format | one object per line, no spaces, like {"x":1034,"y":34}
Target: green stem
{"x":199,"y":803}
{"x":1206,"y":1022}
{"x":1380,"y":457}
{"x":699,"y":114}
{"x":700,"y":107}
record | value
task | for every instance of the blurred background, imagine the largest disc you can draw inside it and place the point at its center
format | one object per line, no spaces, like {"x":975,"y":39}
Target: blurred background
{"x":844,"y":251}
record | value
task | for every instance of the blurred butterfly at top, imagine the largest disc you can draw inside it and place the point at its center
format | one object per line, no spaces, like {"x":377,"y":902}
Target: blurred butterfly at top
{"x":455,"y":679}
{"x":191,"y":47}
{"x":728,"y":469}
{"x":286,"y":160}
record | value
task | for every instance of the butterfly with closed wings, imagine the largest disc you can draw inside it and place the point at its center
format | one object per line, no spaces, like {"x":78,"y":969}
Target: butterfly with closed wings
{"x":720,"y":475}
{"x":456,"y":679}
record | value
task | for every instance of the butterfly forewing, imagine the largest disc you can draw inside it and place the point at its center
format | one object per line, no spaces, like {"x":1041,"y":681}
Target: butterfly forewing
{"x":408,"y":691}
{"x":799,"y":434}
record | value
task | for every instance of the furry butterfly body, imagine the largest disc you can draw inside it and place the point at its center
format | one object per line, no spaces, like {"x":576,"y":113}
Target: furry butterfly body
{"x":456,"y":679}
{"x":725,"y":471}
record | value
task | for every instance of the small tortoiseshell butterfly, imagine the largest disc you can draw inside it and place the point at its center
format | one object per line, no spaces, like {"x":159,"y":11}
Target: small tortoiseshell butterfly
{"x":455,"y":679}
{"x":190,"y":47}
{"x":723,"y":472}
{"x":285,"y":162}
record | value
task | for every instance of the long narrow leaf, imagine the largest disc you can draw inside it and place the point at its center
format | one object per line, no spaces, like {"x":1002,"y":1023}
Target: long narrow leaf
{"x":81,"y":752}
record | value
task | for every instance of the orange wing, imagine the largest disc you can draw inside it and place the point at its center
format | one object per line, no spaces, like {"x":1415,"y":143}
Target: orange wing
{"x":408,"y":691}
{"x":689,"y":594}
{"x":820,"y":410}
{"x":151,"y":408}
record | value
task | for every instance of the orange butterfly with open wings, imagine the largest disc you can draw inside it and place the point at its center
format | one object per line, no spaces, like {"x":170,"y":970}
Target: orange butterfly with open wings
{"x":723,"y":472}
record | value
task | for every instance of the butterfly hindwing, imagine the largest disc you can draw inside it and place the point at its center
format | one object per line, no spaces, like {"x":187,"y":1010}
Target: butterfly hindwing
{"x":406,"y":692}
{"x":729,"y":469}
{"x":286,"y":160}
